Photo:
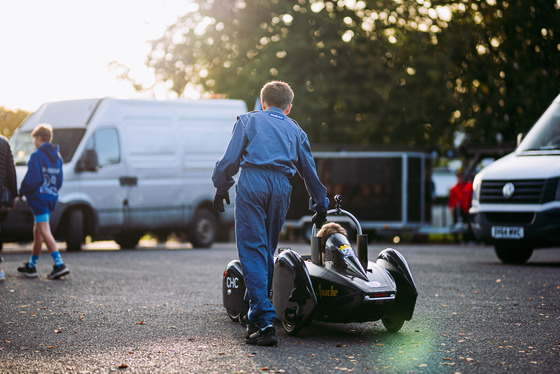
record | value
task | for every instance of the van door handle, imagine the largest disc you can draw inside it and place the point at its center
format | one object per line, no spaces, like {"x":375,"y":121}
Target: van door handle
{"x":128,"y":181}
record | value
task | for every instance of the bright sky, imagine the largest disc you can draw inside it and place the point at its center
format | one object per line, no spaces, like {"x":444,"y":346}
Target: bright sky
{"x":61,"y":49}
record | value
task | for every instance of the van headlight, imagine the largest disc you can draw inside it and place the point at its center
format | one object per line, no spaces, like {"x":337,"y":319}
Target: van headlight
{"x":477,"y":182}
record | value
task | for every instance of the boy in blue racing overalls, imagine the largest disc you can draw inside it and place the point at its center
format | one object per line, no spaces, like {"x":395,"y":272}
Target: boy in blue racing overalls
{"x":269,"y":147}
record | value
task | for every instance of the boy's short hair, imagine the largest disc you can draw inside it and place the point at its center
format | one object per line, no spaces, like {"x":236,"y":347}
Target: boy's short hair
{"x":43,"y":131}
{"x":277,"y":94}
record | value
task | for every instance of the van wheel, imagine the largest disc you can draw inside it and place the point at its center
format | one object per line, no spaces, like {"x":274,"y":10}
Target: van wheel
{"x":513,"y":254}
{"x":204,"y":228}
{"x":75,"y":234}
{"x":128,"y":240}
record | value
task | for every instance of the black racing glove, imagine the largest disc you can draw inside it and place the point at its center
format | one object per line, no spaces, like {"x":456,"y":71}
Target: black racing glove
{"x":219,"y":202}
{"x":319,"y":219}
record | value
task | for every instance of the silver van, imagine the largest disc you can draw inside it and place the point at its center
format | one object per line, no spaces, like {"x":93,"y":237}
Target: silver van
{"x":130,"y":167}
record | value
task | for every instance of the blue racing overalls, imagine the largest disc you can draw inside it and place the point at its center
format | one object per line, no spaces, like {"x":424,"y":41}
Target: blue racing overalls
{"x":269,"y":147}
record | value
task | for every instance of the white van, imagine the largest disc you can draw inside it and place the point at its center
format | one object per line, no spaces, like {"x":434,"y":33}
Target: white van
{"x":516,"y":200}
{"x":130,"y":167}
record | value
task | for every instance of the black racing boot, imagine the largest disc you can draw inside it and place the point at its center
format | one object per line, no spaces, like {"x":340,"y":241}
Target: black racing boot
{"x":264,"y":337}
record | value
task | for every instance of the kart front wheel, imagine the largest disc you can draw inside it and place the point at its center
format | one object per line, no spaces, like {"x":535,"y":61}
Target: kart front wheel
{"x":392,"y":324}
{"x":291,"y":328}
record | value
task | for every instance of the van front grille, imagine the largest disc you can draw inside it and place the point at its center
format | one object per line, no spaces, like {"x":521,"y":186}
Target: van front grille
{"x":525,"y":191}
{"x":519,"y":218}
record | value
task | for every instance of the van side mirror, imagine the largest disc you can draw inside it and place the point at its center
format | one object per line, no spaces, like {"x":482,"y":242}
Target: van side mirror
{"x":88,"y":162}
{"x":520,"y":137}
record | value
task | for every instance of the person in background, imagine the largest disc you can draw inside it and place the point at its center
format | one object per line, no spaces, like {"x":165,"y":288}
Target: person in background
{"x":8,"y":181}
{"x":460,"y":197}
{"x":40,"y":187}
{"x":270,"y":148}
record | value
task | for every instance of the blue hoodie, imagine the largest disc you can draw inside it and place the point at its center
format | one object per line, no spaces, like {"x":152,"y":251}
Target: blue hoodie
{"x":43,"y":179}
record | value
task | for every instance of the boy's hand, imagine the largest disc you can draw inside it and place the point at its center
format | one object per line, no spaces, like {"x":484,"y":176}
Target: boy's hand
{"x":319,"y":219}
{"x":219,"y":202}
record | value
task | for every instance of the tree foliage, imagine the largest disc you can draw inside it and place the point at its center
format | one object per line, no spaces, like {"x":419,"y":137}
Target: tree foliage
{"x":505,"y":59}
{"x":10,"y":120}
{"x":376,"y":71}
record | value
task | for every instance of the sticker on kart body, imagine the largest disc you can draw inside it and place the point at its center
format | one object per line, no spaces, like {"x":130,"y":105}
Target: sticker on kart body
{"x":507,"y":232}
{"x":346,"y":250}
{"x":326,"y":293}
{"x":232,"y":282}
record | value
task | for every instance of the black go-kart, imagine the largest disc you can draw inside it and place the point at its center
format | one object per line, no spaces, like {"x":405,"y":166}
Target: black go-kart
{"x":333,"y":284}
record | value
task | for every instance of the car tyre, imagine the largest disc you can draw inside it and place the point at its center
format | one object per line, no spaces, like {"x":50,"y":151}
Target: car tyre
{"x":513,"y":254}
{"x":128,"y":240}
{"x":75,"y":234}
{"x":204,"y":229}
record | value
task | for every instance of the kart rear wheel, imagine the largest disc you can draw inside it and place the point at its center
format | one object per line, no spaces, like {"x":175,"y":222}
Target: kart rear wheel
{"x":392,"y":324}
{"x":291,"y":328}
{"x":233,"y":316}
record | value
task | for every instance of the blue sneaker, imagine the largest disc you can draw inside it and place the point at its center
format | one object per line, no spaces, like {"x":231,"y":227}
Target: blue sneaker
{"x":28,"y":271}
{"x":2,"y":276}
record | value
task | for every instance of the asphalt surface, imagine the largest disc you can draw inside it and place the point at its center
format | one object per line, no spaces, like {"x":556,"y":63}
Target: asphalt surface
{"x":158,"y":309}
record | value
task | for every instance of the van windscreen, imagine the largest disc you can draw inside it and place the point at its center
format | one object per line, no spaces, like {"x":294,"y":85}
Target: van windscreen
{"x":66,"y":139}
{"x":545,"y":134}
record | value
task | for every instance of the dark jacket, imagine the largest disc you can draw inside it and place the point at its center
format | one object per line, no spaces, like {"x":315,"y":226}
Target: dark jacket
{"x":7,"y":168}
{"x":43,"y":179}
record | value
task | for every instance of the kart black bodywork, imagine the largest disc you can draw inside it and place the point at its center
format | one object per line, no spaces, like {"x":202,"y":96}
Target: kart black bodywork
{"x":341,"y":287}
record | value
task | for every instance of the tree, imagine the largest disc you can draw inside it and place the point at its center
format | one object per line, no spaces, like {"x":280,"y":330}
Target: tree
{"x":505,"y":60}
{"x":393,"y":72}
{"x":10,"y":120}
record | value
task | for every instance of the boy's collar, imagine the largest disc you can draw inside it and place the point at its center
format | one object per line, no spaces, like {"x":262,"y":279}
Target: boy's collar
{"x":275,"y":109}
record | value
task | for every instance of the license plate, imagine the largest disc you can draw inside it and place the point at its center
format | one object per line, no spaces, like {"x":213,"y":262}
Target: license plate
{"x":507,"y":232}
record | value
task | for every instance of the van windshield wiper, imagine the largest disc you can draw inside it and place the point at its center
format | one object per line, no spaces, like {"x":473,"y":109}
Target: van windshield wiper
{"x":543,"y":148}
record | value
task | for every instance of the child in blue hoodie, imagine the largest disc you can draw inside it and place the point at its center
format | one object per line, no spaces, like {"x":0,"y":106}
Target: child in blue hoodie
{"x":40,"y":187}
